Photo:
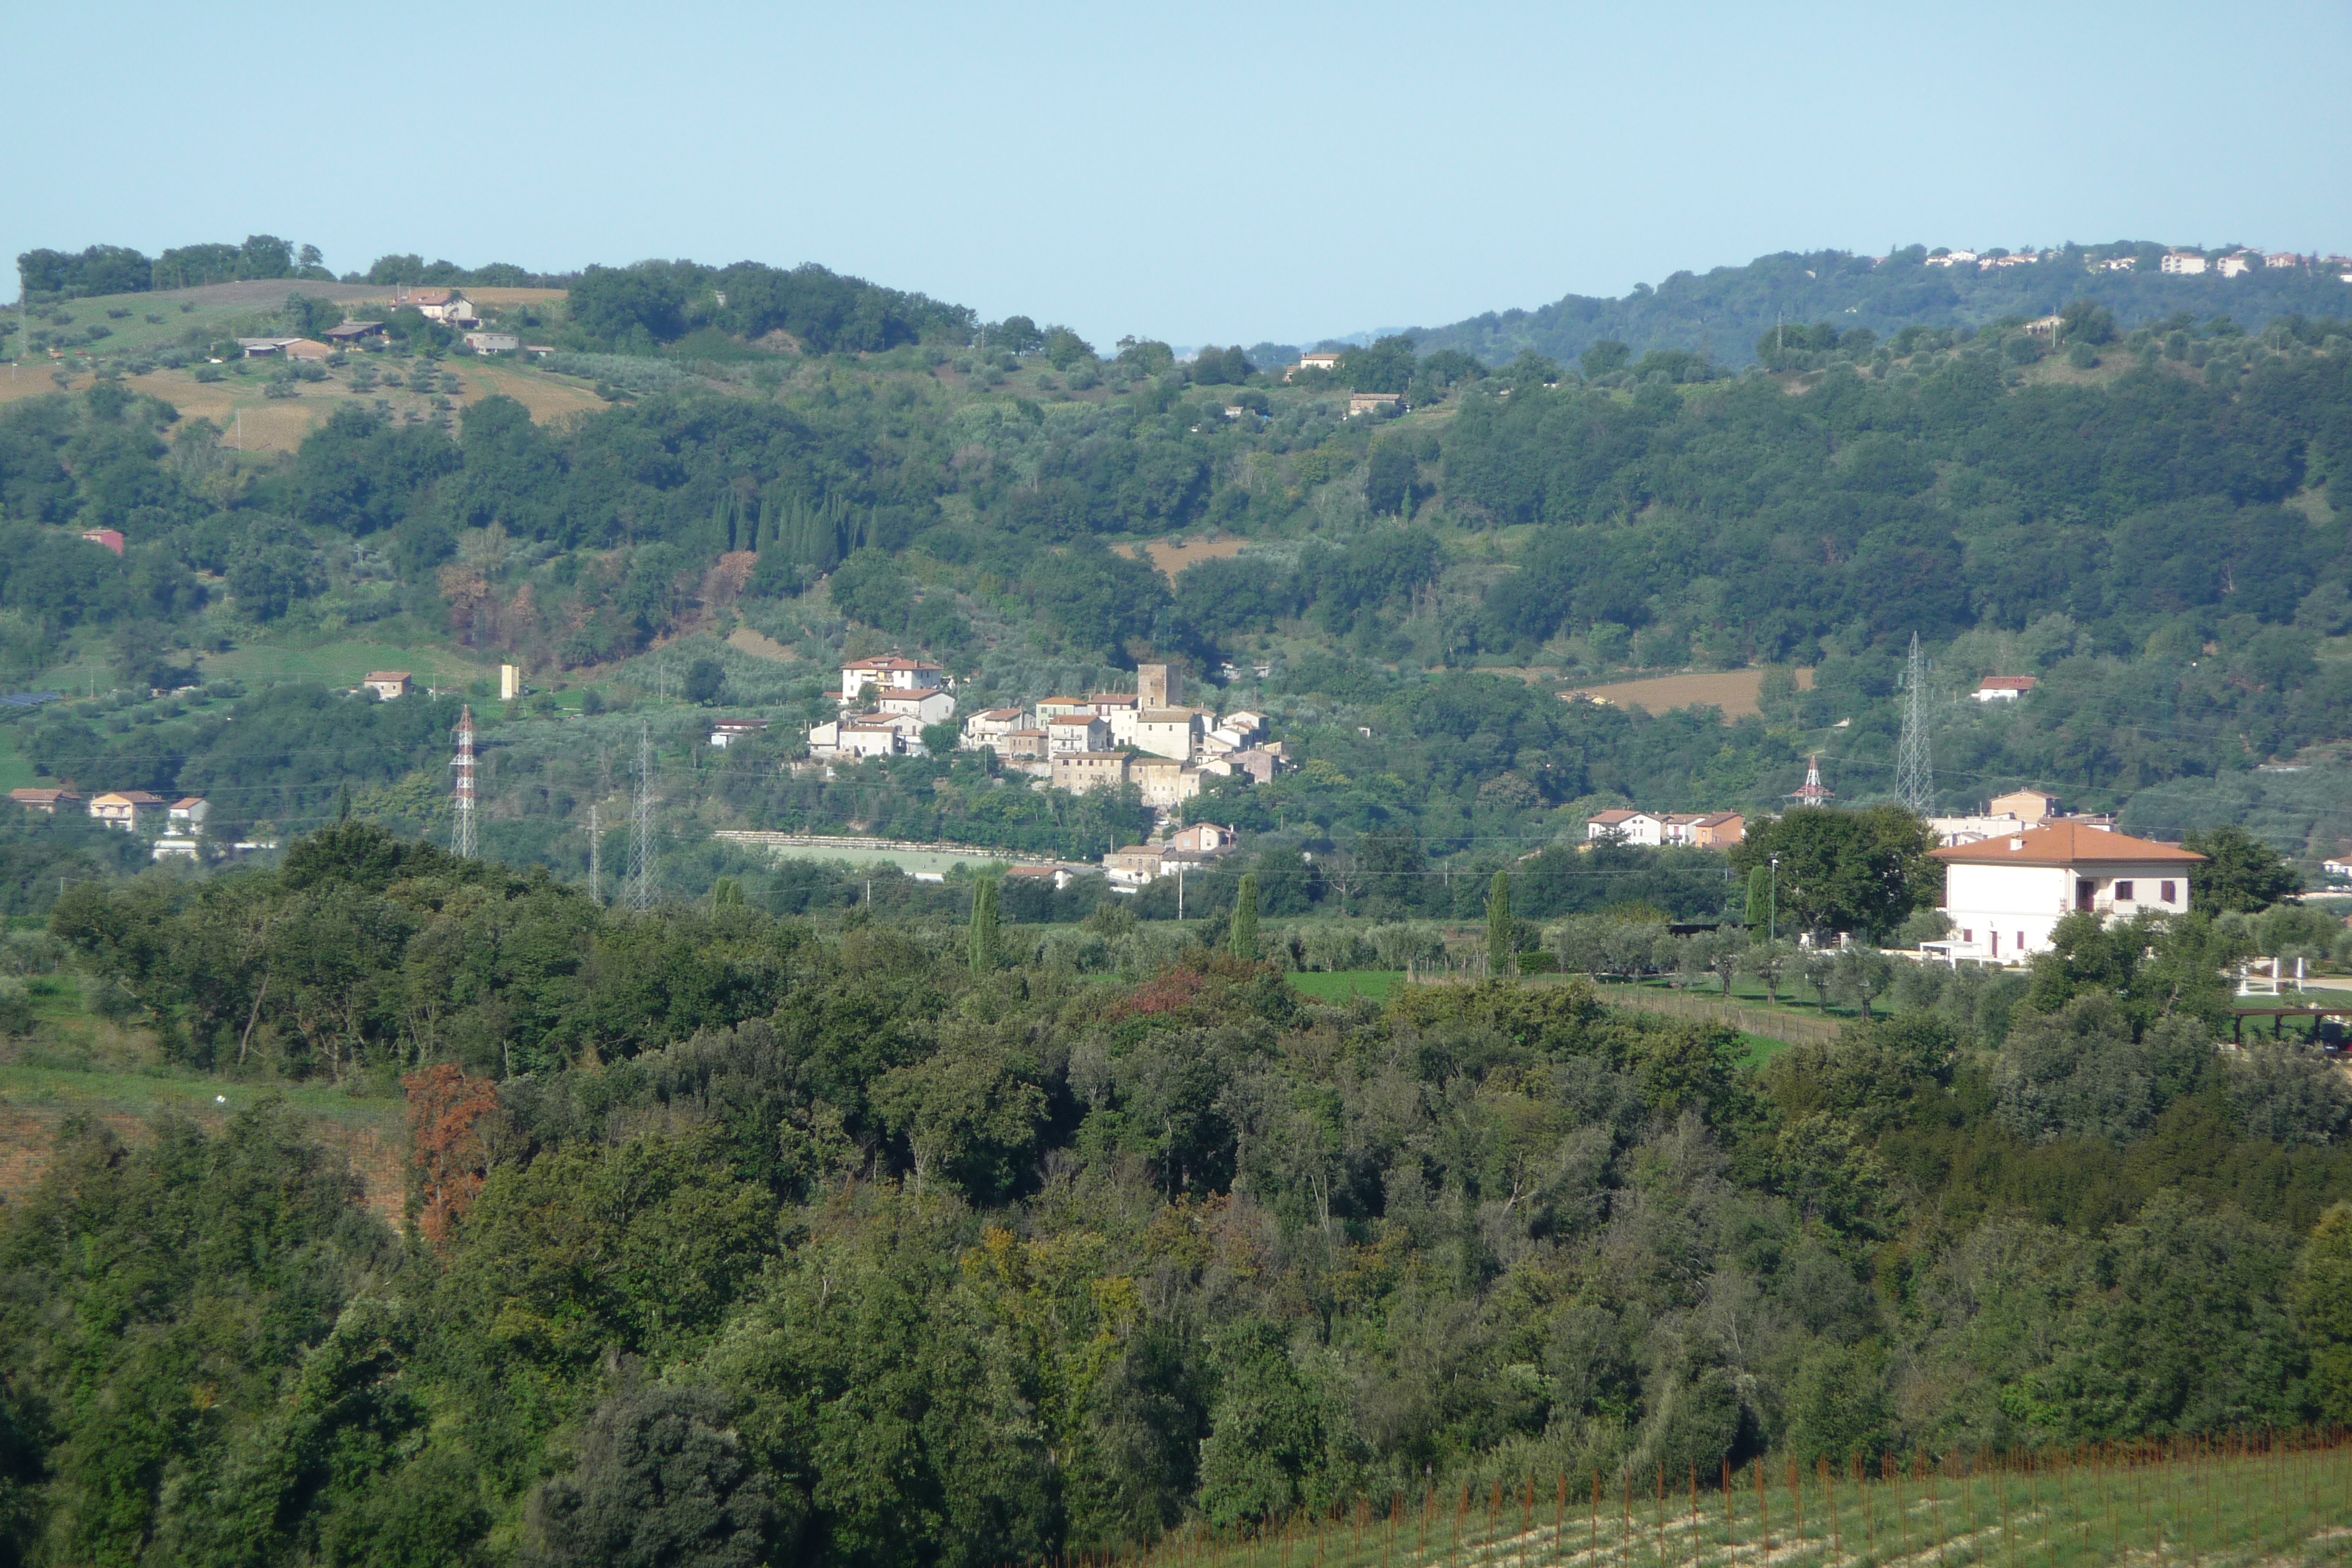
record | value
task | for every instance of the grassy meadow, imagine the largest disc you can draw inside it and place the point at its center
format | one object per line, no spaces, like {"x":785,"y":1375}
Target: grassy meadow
{"x":2260,"y":1502}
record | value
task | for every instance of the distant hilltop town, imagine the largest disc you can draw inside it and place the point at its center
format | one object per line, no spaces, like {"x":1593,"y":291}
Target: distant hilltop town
{"x":2229,"y":262}
{"x":1149,"y":738}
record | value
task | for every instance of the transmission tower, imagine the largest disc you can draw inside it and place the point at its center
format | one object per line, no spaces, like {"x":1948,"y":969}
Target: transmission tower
{"x":464,"y":764}
{"x":641,"y":846}
{"x":1915,"y":774}
{"x":1813,"y":792}
{"x":595,"y":857}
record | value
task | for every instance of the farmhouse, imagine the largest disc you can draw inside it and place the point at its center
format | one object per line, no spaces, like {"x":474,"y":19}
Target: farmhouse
{"x":1704,"y":830}
{"x":45,"y":801}
{"x":1372,"y":402}
{"x":350,"y":332}
{"x":388,"y":684}
{"x":493,"y":343}
{"x":1621,"y":826}
{"x":2005,"y":896}
{"x":2004,"y":687}
{"x":448,"y":306}
{"x":1321,"y":359}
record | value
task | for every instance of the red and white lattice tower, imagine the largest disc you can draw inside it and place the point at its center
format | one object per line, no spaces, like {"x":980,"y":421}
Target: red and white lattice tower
{"x":465,"y":793}
{"x":1813,"y":792}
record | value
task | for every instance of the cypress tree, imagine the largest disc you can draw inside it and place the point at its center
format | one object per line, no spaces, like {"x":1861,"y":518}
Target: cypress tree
{"x":1243,"y":937}
{"x":1499,"y":943}
{"x":1760,"y":897}
{"x":983,"y":926}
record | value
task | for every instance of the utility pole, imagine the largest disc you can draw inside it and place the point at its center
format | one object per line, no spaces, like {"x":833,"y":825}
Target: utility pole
{"x":465,"y":800}
{"x":596,"y":856}
{"x":1914,"y":773}
{"x":641,"y":847}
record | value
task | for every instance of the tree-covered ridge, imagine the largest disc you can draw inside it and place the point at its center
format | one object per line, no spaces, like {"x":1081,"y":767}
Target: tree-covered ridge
{"x":1726,"y":312}
{"x":2144,"y":519}
{"x":871,"y":1241}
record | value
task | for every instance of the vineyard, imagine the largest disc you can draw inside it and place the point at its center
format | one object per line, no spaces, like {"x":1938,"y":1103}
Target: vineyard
{"x":2271,"y":1502}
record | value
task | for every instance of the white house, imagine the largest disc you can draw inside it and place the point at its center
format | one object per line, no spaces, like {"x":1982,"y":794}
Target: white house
{"x":2004,"y":687}
{"x":1074,"y":732}
{"x":1626,"y":827}
{"x":727,"y":731}
{"x":2005,"y":896}
{"x":923,"y":707}
{"x":2240,"y":263}
{"x":890,"y":673}
{"x":990,"y":726}
{"x":2183,"y":263}
{"x":854,"y":737}
{"x":1167,"y":732}
{"x":2337,"y":870}
{"x":1119,"y":709}
{"x":187,"y":815}
{"x":1321,"y":359}
{"x":448,"y":305}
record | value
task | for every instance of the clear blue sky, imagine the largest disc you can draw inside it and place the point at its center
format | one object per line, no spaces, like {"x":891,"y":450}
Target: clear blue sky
{"x":1195,"y":173}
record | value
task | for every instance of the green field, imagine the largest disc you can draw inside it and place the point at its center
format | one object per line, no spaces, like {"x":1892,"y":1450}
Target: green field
{"x":1340,"y":985}
{"x":342,"y":664}
{"x":2233,"y":1505}
{"x":38,"y":1088}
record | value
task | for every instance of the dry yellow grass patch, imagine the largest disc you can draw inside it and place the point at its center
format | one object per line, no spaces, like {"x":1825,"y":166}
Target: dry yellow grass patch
{"x":1733,"y":690}
{"x":1172,"y":558}
{"x":760,"y":644}
{"x":547,"y":400}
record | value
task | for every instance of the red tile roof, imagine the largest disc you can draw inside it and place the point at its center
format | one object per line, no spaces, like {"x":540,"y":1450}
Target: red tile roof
{"x":2063,"y":843}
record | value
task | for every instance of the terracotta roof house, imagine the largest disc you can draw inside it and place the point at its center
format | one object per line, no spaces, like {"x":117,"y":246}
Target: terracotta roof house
{"x":2005,"y":895}
{"x":128,"y":809}
{"x":44,"y":800}
{"x":2004,"y":687}
{"x":387,"y":684}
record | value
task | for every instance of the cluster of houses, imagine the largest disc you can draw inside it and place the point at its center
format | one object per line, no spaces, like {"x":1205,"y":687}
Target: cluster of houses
{"x":2174,"y":263}
{"x":178,"y":824}
{"x":2007,"y":815}
{"x":1147,"y":738}
{"x":1654,"y":830}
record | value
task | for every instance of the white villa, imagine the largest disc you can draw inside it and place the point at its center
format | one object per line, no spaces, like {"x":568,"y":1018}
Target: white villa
{"x":2005,"y":896}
